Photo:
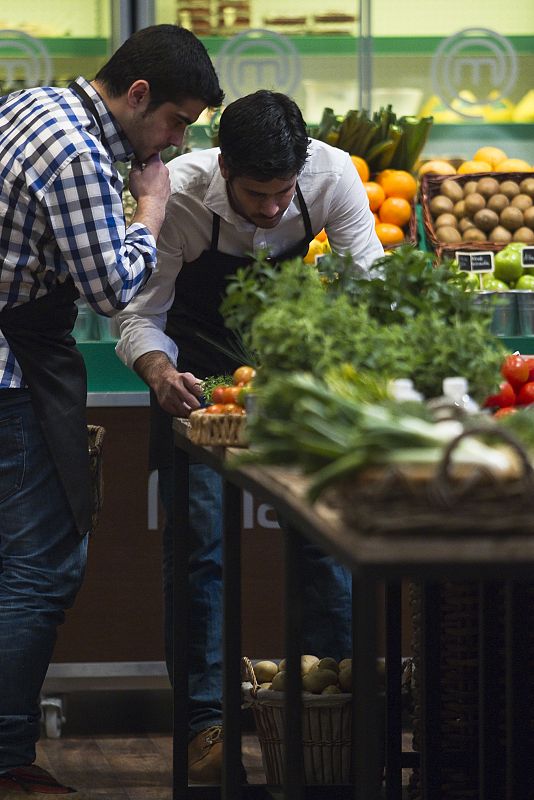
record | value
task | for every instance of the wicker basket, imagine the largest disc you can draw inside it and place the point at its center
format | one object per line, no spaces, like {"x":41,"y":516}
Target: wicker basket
{"x":431,"y":186}
{"x":412,"y":501}
{"x":96,"y":440}
{"x":226,"y":430}
{"x":326,"y":732}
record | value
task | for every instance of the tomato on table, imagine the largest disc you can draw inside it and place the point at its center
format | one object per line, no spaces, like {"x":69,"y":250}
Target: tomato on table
{"x":504,"y":398}
{"x":243,"y":375}
{"x":217,"y":394}
{"x":526,"y":394}
{"x":231,"y":393}
{"x":515,"y":370}
{"x":216,"y":408}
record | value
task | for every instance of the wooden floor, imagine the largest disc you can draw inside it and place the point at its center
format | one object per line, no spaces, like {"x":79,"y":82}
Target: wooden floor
{"x":119,"y":767}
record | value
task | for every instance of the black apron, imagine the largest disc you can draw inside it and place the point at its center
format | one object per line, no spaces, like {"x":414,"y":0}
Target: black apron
{"x":194,"y":321}
{"x":39,"y":334}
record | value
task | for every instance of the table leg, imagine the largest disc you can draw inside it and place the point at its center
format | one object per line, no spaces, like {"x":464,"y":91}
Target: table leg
{"x":366,"y":724}
{"x":491,"y":756}
{"x":393,"y":704}
{"x":180,"y":632}
{"x":231,"y":782}
{"x":518,"y":708}
{"x":430,"y":692}
{"x":293,"y":762}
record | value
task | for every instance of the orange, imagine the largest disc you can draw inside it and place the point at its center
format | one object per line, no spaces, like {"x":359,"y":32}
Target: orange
{"x":321,"y":236}
{"x":361,"y":167}
{"x":375,"y":193}
{"x":381,"y":175}
{"x":400,"y":183}
{"x":389,"y":234}
{"x":396,"y":210}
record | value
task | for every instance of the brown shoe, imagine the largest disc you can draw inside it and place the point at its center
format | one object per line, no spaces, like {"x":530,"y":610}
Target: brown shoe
{"x":204,"y":756}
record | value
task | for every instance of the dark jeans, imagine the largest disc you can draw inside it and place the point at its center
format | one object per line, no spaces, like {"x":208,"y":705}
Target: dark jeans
{"x":327,"y":596}
{"x":42,"y":562}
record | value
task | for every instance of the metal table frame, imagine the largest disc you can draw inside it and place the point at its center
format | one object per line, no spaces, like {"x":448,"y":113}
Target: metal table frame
{"x":372,"y":560}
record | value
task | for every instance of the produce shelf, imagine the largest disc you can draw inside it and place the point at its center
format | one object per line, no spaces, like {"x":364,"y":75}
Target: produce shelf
{"x":523,"y":344}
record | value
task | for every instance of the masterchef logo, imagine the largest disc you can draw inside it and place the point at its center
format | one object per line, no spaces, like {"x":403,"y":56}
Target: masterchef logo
{"x":257,"y":58}
{"x":24,"y":61}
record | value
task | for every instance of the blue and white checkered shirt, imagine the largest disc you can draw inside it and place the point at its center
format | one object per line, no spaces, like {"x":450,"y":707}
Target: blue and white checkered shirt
{"x":61,"y":209}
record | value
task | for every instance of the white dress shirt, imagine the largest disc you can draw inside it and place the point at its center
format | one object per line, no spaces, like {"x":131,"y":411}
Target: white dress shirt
{"x":334,"y":196}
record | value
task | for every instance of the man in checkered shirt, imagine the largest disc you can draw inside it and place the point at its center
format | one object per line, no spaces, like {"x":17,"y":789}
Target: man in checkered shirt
{"x":63,"y":236}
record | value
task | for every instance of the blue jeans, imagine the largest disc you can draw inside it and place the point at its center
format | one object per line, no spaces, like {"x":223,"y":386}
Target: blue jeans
{"x":42,"y":561}
{"x":327,"y":600}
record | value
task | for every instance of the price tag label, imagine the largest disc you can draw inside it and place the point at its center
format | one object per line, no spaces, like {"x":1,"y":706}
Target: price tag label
{"x":479,"y":261}
{"x":527,"y":256}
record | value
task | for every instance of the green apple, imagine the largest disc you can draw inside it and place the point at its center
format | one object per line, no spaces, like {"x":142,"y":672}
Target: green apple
{"x":507,"y":264}
{"x":525,"y":282}
{"x":472,"y":281}
{"x":492,"y":284}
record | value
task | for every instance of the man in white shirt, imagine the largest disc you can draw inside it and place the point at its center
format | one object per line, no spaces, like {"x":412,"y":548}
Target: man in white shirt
{"x":269,"y":187}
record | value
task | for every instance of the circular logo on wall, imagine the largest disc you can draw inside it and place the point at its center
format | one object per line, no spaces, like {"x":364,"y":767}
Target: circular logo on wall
{"x":256,"y":59}
{"x":24,"y":61}
{"x":473,"y":67}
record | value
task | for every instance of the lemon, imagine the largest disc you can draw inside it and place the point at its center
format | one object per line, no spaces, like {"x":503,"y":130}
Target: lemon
{"x":315,"y":249}
{"x":491,"y":155}
{"x":473,"y":166}
{"x":513,"y":165}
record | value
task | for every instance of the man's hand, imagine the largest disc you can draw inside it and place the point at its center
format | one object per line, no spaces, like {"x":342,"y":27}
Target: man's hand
{"x":177,"y":392}
{"x":150,"y":185}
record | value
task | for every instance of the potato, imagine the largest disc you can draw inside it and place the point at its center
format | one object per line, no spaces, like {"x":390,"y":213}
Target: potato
{"x":345,"y":679}
{"x":279,"y":682}
{"x":265,"y":671}
{"x":306,"y":663}
{"x":345,"y":662}
{"x":328,"y":663}
{"x":332,"y":689}
{"x":317,"y":681}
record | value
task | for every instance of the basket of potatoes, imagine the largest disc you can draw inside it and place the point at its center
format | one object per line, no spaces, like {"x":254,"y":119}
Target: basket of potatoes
{"x":478,"y":211}
{"x":326,"y":721}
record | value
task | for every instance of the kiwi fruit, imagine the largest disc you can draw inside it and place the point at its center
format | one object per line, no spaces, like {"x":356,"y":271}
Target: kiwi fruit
{"x":521,"y":201}
{"x":446,"y":219}
{"x":511,"y":218}
{"x":440,"y":205}
{"x":474,"y":202}
{"x":524,"y":235}
{"x":497,"y":202}
{"x":465,"y":223}
{"x":485,"y":219}
{"x":528,"y":217}
{"x":509,"y":188}
{"x":473,"y":235}
{"x":459,"y":210}
{"x":448,"y":234}
{"x":500,"y":234}
{"x":487,"y":186}
{"x":525,"y":187}
{"x":452,"y":190}
{"x":470,"y":187}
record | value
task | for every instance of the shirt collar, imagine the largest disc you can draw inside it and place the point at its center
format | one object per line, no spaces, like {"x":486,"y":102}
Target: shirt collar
{"x":116,"y":139}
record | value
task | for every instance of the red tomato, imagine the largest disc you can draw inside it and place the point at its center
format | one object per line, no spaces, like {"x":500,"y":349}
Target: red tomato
{"x":230,"y":394}
{"x":504,"y":398}
{"x":233,"y":408}
{"x":243,"y":375}
{"x":515,"y":370}
{"x":217,"y":408}
{"x":530,"y":365}
{"x":503,"y":412}
{"x":217,"y":394}
{"x":526,"y":394}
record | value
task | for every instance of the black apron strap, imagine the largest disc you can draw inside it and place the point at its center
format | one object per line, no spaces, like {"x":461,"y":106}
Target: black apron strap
{"x":215,"y":228}
{"x":305,"y":215}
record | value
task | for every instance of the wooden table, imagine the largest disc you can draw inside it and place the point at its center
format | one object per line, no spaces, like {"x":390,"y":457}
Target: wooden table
{"x":372,"y":559}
